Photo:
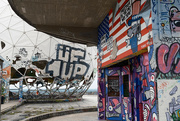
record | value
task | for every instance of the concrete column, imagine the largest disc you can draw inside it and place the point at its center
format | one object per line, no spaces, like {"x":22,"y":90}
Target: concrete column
{"x":7,"y":90}
{"x":1,"y":69}
{"x":20,"y":90}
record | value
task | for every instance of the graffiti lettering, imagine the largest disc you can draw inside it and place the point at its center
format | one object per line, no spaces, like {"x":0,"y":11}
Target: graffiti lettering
{"x":164,"y":62}
{"x":70,"y":62}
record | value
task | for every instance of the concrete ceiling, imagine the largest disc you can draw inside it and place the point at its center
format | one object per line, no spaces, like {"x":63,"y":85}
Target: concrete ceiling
{"x":72,"y":20}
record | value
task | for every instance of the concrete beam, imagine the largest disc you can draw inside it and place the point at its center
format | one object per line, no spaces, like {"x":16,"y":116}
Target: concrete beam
{"x":81,"y":35}
{"x":72,"y":20}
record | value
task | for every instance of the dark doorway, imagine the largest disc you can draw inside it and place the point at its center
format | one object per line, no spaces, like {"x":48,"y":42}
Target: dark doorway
{"x":113,"y":86}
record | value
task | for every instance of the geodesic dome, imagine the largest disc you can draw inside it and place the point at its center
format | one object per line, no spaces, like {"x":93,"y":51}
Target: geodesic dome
{"x":43,"y":64}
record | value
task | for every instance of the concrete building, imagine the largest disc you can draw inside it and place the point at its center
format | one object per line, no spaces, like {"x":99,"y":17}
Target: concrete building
{"x":139,"y":67}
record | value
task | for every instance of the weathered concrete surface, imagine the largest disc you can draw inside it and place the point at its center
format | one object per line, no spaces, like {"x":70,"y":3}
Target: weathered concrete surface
{"x":60,"y":113}
{"x":72,"y":20}
{"x":88,"y":116}
{"x":28,"y":110}
{"x":10,"y":106}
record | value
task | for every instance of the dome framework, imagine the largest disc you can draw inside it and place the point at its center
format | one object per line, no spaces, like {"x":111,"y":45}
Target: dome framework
{"x":39,"y":65}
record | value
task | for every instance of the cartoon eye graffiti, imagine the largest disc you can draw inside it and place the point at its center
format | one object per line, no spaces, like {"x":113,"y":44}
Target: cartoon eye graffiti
{"x":177,"y":23}
{"x":110,"y":108}
{"x":152,"y":78}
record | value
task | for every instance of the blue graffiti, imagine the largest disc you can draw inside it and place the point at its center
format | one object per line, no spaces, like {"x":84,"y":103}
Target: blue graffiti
{"x":154,"y":6}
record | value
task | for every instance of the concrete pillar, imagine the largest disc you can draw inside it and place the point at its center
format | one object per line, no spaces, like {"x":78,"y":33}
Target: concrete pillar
{"x":7,"y":90}
{"x":20,"y":90}
{"x":1,"y":69}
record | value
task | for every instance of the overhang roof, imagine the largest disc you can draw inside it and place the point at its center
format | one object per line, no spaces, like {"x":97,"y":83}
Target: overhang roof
{"x":72,"y":20}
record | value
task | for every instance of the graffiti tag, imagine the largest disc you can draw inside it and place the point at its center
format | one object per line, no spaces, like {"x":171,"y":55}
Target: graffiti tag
{"x":70,"y":62}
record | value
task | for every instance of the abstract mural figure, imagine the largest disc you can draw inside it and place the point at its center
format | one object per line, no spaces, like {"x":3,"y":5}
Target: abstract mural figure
{"x":134,"y":33}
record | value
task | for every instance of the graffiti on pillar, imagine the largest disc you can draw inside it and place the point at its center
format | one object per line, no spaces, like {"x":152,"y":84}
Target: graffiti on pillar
{"x":70,"y":67}
{"x":101,"y":94}
{"x":149,"y":88}
{"x":126,"y":101}
{"x":169,"y":100}
{"x":144,"y":88}
{"x":5,"y":78}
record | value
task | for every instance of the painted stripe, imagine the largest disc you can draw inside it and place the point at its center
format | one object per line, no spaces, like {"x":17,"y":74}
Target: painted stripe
{"x":141,"y":7}
{"x":123,"y":55}
{"x":122,"y":35}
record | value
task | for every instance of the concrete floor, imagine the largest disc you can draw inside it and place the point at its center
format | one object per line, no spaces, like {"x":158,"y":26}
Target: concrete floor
{"x":88,"y":116}
{"x":9,"y":104}
{"x":28,"y":110}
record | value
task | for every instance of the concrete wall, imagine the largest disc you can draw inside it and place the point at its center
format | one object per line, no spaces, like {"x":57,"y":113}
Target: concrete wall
{"x":166,"y":54}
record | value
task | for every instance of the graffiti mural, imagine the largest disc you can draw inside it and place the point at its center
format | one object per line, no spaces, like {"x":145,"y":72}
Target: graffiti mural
{"x":169,"y":100}
{"x":134,"y":25}
{"x":134,"y":33}
{"x":124,"y":31}
{"x":167,"y":54}
{"x":70,"y":67}
{"x":168,"y":18}
{"x":166,"y":44}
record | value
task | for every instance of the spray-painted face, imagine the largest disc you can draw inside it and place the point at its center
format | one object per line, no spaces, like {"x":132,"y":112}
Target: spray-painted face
{"x":174,"y":14}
